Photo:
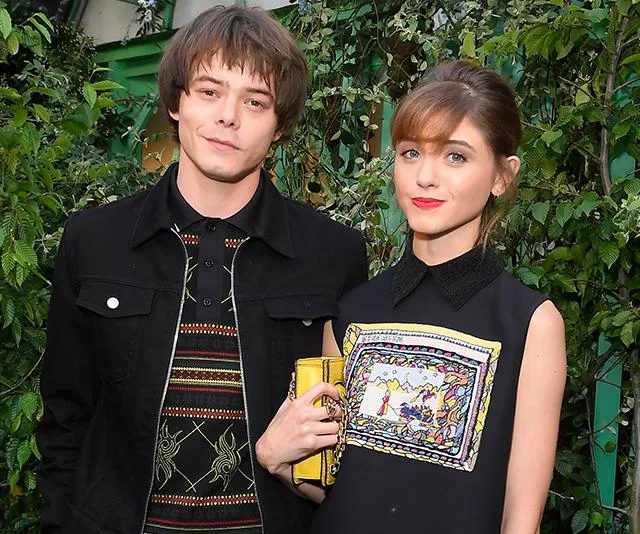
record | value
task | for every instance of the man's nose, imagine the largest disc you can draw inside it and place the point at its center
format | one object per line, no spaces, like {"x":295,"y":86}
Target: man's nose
{"x":227,"y":112}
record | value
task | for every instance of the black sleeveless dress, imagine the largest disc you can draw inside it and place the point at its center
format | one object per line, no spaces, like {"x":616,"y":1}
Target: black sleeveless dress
{"x":433,"y":357}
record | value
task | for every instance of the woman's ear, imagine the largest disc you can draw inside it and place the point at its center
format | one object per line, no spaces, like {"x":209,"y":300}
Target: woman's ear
{"x":506,"y":176}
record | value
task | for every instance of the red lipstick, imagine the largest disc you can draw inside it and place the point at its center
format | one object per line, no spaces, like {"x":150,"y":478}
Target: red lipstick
{"x":427,"y":203}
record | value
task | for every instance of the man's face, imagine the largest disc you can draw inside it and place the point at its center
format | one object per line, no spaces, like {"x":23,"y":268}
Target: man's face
{"x":226,"y":123}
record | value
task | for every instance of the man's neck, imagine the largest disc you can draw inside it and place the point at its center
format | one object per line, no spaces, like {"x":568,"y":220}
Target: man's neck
{"x":216,"y":199}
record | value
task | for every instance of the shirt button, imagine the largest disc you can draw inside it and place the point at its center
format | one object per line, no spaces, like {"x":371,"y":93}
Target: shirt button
{"x":113,"y":303}
{"x":207,"y":301}
{"x":211,"y":227}
{"x":307,"y":322}
{"x":208,"y":262}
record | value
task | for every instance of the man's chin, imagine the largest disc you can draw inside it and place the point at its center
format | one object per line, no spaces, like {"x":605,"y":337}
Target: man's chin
{"x":227,"y":176}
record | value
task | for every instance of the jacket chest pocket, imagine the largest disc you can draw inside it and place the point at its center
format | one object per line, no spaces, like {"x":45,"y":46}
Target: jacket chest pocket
{"x":298,"y":322}
{"x":119,"y":313}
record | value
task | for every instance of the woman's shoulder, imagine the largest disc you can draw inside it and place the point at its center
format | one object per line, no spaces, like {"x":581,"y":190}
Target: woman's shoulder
{"x":375,"y":288}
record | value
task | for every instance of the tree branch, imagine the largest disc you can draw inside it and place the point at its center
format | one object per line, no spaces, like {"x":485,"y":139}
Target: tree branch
{"x":605,"y":175}
{"x":625,"y":84}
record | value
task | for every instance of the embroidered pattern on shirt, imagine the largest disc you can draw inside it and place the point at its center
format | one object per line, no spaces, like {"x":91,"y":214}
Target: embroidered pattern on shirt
{"x":233,"y":243}
{"x":207,"y":328}
{"x":190,"y":239}
{"x":419,"y":391}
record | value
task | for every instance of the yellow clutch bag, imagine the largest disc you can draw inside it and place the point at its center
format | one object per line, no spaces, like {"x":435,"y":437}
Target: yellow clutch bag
{"x":322,"y":467}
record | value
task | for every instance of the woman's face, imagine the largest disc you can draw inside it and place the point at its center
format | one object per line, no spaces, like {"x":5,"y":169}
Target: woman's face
{"x":443,"y":190}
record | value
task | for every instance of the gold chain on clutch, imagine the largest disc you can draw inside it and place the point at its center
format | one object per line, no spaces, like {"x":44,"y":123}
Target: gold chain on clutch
{"x":331,"y":405}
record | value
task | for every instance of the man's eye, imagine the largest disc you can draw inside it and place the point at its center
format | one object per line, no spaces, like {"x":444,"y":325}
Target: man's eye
{"x":256,"y":104}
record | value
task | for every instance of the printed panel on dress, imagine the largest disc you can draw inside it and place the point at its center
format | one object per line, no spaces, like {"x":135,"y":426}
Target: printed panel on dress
{"x":418,"y":391}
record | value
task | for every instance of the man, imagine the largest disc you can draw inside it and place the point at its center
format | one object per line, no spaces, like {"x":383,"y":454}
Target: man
{"x":177,"y":314}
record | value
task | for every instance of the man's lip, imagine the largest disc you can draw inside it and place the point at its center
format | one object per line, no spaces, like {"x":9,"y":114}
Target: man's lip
{"x":221,"y":142}
{"x":427,"y":203}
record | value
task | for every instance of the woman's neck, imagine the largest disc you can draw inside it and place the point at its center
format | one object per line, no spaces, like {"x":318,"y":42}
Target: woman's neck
{"x":434,"y":250}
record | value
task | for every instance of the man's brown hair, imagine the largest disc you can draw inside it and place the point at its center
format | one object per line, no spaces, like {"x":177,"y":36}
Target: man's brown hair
{"x":245,"y":38}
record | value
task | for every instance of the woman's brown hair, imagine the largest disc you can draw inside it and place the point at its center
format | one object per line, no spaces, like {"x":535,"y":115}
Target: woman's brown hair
{"x":245,"y":38}
{"x":455,"y":90}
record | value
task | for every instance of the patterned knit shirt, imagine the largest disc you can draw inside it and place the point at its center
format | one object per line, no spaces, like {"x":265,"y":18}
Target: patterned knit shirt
{"x":203,"y":479}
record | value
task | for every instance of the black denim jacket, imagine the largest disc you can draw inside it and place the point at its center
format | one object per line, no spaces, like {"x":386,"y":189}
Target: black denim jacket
{"x":113,"y":323}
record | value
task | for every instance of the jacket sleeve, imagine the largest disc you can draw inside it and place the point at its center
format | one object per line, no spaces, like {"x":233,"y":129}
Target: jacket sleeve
{"x":67,"y":386}
{"x":358,"y":267}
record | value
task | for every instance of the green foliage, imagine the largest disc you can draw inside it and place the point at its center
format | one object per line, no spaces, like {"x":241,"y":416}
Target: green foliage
{"x":575,"y":231}
{"x":50,"y":113}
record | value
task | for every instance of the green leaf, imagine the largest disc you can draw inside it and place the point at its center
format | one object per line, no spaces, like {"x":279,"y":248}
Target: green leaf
{"x":582,"y":94}
{"x":622,"y":317}
{"x":13,"y":44}
{"x":19,"y":117}
{"x":29,"y":404}
{"x":539,"y":41}
{"x":8,"y":261}
{"x":609,"y":253}
{"x":34,"y":448}
{"x":16,"y":327}
{"x":14,"y":477}
{"x":42,"y":112}
{"x":596,"y":15}
{"x":588,"y":202}
{"x":25,"y":254}
{"x":90,"y":94}
{"x":563,"y":213}
{"x":106,"y":85}
{"x":565,"y":463}
{"x":579,"y":521}
{"x":44,"y":19}
{"x":627,"y":334}
{"x":632,"y":187}
{"x":630,"y":59}
{"x":620,"y":130}
{"x":23,"y":453}
{"x":551,"y":136}
{"x":10,"y":94}
{"x":468,"y":48}
{"x":5,"y":23}
{"x":45,"y":33}
{"x":15,"y":424}
{"x":527,"y":276}
{"x":540,"y":210}
{"x":30,"y":480}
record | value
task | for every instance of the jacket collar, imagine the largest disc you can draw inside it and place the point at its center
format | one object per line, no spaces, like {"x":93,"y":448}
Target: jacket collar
{"x":269,"y":221}
{"x":459,"y":279}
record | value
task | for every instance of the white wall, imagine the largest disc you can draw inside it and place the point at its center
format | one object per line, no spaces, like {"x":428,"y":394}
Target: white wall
{"x":187,"y":10}
{"x":111,"y":20}
{"x":107,"y":20}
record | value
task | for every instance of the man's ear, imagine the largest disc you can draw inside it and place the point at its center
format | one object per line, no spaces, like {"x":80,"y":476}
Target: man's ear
{"x":505,"y":177}
{"x":175,"y":115}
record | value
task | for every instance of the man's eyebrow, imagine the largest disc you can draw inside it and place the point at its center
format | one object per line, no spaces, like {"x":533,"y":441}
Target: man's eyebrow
{"x":249,"y":89}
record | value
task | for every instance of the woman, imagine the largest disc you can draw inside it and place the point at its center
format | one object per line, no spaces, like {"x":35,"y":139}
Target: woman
{"x":474,"y":360}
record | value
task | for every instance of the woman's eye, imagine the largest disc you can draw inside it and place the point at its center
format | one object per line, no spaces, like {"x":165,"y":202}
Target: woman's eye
{"x":412,"y":153}
{"x":456,"y":157}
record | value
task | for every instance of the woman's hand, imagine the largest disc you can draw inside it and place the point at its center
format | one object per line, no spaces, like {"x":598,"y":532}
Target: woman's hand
{"x":298,"y":430}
